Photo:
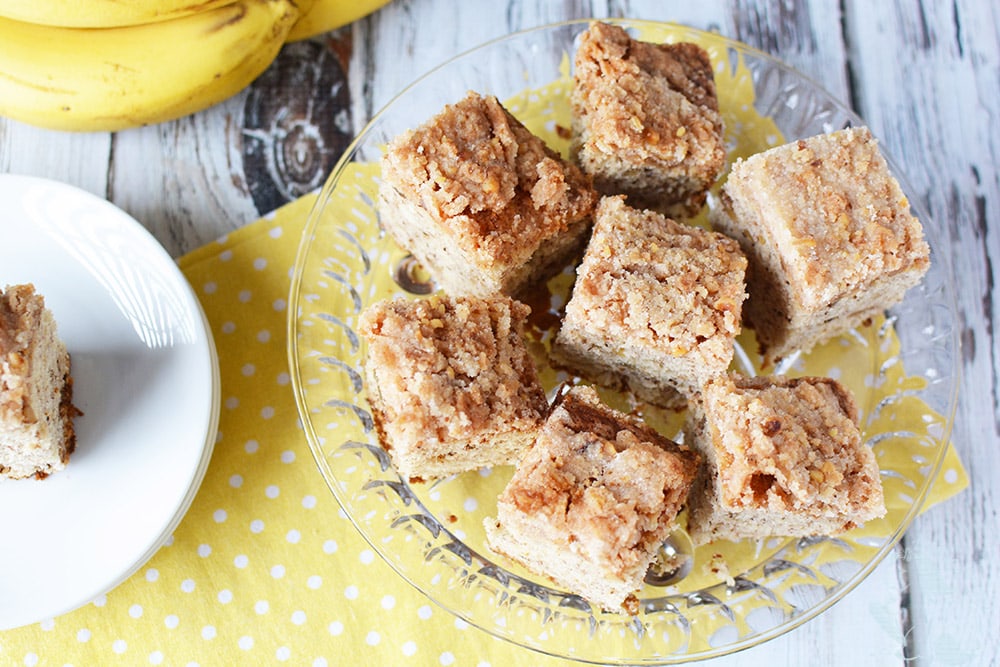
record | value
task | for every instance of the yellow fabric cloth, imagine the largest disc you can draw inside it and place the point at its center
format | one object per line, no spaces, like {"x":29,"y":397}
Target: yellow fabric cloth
{"x":265,"y":568}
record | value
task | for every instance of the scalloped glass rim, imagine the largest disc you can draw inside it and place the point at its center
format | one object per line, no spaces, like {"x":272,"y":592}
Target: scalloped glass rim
{"x":394,"y":518}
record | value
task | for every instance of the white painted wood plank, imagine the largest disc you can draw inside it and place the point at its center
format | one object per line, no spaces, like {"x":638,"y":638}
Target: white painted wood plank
{"x":183,"y":179}
{"x":807,"y":36}
{"x":77,"y":159}
{"x":927,"y":83}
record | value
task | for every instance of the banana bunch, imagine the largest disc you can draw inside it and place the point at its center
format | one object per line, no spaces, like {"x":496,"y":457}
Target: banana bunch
{"x":106,"y":65}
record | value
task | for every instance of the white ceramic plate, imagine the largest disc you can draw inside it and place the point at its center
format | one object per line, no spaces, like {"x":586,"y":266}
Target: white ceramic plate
{"x":146,"y":377}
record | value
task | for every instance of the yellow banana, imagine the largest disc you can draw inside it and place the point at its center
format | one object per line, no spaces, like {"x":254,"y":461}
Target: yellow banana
{"x":325,"y":15}
{"x":112,"y":78}
{"x":102,"y":13}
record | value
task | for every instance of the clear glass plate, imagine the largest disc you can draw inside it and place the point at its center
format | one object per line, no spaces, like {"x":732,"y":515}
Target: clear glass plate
{"x":902,"y":369}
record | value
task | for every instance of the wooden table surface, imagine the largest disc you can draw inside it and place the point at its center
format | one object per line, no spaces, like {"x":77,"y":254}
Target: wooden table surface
{"x":924,"y":75}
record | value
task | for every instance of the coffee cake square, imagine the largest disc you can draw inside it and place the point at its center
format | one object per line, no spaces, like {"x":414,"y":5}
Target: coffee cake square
{"x":646,"y":120}
{"x":828,"y":234}
{"x":655,"y":308}
{"x":37,"y":435}
{"x":783,"y":457}
{"x":451,"y":384}
{"x":482,"y":203}
{"x":592,"y":500}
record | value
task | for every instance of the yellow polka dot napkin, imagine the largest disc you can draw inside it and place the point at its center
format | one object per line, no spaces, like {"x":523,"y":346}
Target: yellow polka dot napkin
{"x":265,"y":568}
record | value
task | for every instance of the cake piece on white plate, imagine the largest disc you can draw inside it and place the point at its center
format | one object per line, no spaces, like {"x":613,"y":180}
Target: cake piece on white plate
{"x":37,"y":434}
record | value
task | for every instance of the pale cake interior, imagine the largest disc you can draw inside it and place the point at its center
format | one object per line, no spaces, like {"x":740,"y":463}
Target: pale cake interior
{"x":36,"y":412}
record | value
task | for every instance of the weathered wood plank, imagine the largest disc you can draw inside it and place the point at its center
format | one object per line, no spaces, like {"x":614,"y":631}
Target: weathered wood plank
{"x":78,"y":159}
{"x":184,"y":179}
{"x":926,"y":79}
{"x":807,"y":36}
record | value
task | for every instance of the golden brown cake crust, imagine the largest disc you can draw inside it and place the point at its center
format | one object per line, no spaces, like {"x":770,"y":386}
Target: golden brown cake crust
{"x":485,"y":183}
{"x":800,"y":435}
{"x":582,"y":439}
{"x":646,"y":118}
{"x":844,"y":221}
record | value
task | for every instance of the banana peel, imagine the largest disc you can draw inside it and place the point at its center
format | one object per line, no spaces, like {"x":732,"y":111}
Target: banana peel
{"x":176,"y":62}
{"x":326,"y":15}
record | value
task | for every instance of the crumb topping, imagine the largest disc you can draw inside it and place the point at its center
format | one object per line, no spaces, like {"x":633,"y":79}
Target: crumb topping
{"x":787,"y":444}
{"x":487,"y":178}
{"x":651,"y":102}
{"x":20,"y":307}
{"x":605,"y":481}
{"x":20,"y":311}
{"x":832,"y":207}
{"x":448,"y":365}
{"x":651,"y":279}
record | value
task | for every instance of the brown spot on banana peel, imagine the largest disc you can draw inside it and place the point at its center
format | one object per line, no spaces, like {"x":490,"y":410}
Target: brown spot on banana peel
{"x":292,"y":9}
{"x":228,"y":21}
{"x":34,"y":84}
